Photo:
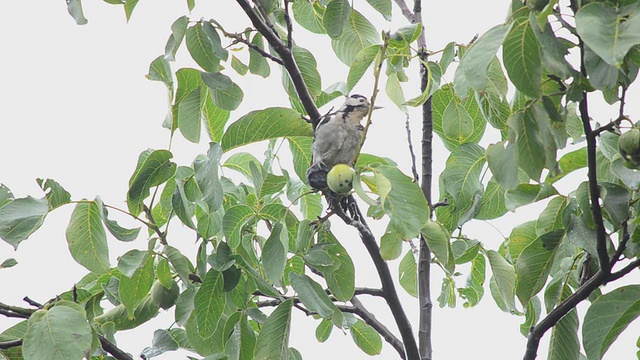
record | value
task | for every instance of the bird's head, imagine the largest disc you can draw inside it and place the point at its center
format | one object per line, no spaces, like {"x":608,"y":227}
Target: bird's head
{"x":356,"y":104}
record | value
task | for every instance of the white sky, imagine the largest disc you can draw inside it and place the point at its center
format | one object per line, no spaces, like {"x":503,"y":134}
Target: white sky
{"x":78,"y":109}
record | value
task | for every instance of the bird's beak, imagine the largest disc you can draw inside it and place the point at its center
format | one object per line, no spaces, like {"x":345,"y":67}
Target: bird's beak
{"x":378,"y":107}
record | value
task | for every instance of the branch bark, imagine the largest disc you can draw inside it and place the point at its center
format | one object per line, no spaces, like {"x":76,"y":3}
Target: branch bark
{"x":262,"y":25}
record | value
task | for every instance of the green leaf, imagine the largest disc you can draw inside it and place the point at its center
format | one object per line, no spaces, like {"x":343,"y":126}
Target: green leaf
{"x":461,"y":178}
{"x":504,"y":276}
{"x":209,"y":303}
{"x":227,"y":99}
{"x":258,"y":64}
{"x":529,"y":147}
{"x":55,"y":193}
{"x":493,"y":202}
{"x":74,"y":7}
{"x":441,"y":99}
{"x":61,"y":333}
{"x":215,"y":118}
{"x":361,"y":63}
{"x":551,"y":218}
{"x":358,"y":34}
{"x":570,"y":162}
{"x":5,"y":195}
{"x":405,"y":204}
{"x":340,"y":281}
{"x":383,"y":7}
{"x":178,"y":31}
{"x":130,"y":261}
{"x":300,"y":147}
{"x":404,"y":36}
{"x":336,"y":17}
{"x":234,"y":219}
{"x":119,"y":232}
{"x":20,"y":218}
{"x":8,"y":263}
{"x":615,"y":201}
{"x":309,"y":15}
{"x":272,"y":185}
{"x":528,"y":193}
{"x":132,"y":290}
{"x":273,"y":340}
{"x":522,"y":60}
{"x":201,"y":48}
{"x":534,"y":263}
{"x":189,"y":115}
{"x":474,"y":290}
{"x":408,"y":272}
{"x":160,"y":70}
{"x":609,"y":31}
{"x":274,"y":253}
{"x":390,"y":245}
{"x":118,"y":315}
{"x":521,"y":236}
{"x":323,"y":330}
{"x":180,"y":263}
{"x":309,"y":69}
{"x":564,"y":342}
{"x":367,"y":339}
{"x":152,"y":170}
{"x":129,"y":5}
{"x":456,"y":122}
{"x":476,"y":61}
{"x":218,"y":49}
{"x":315,"y":298}
{"x":607,"y":317}
{"x":86,"y":237}
{"x":265,"y":124}
{"x":437,"y":238}
{"x":239,"y":66}
{"x":163,"y":341}
{"x":501,"y":158}
{"x":394,"y":91}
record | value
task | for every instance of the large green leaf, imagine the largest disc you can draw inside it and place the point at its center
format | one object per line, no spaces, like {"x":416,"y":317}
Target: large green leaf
{"x":383,"y":7}
{"x":360,"y":64}
{"x":273,"y":340}
{"x":367,"y":339}
{"x":521,"y":56}
{"x":309,"y":69}
{"x":189,"y":115}
{"x":274,"y":253}
{"x":564,"y":343}
{"x":493,"y":202}
{"x":209,"y":303}
{"x":504,"y":277}
{"x":608,"y":317}
{"x":408,"y":273}
{"x":61,"y":333}
{"x":474,"y":290}
{"x":315,"y":298}
{"x":501,"y":158}
{"x":529,"y":147}
{"x":300,"y":147}
{"x":20,"y":218}
{"x":336,"y":17}
{"x":476,"y":61}
{"x":201,"y":48}
{"x":441,"y":100}
{"x":132,"y":290}
{"x":153,"y":169}
{"x":341,"y":279}
{"x":265,"y":124}
{"x":457,"y":124}
{"x":437,"y":238}
{"x":87,"y":238}
{"x":609,"y":31}
{"x":227,"y":99}
{"x":461,"y":178}
{"x":405,"y":204}
{"x":234,"y":219}
{"x":534,"y":263}
{"x":309,"y":15}
{"x":358,"y":34}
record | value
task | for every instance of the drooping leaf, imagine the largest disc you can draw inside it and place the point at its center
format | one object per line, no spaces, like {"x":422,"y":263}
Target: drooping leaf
{"x":309,"y":15}
{"x":209,"y":303}
{"x":504,"y":276}
{"x":534,"y":263}
{"x":315,"y":298}
{"x":335,"y":17}
{"x":234,"y":219}
{"x":273,"y":340}
{"x":408,"y":272}
{"x":608,"y":316}
{"x":367,"y":339}
{"x":20,"y":218}
{"x":501,"y":158}
{"x":521,"y":56}
{"x":74,"y":7}
{"x":201,"y":48}
{"x":87,"y":238}
{"x":361,"y":63}
{"x":55,"y":193}
{"x":153,"y":169}
{"x":383,"y":7}
{"x":529,"y":147}
{"x":134,"y":289}
{"x":274,"y":253}
{"x":437,"y":238}
{"x":461,"y":178}
{"x":178,"y":31}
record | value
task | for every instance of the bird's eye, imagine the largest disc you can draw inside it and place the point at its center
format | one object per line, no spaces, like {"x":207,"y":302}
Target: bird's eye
{"x":361,"y":100}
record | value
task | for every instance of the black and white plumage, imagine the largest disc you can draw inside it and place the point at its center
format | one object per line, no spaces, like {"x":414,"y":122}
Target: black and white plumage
{"x":337,"y":139}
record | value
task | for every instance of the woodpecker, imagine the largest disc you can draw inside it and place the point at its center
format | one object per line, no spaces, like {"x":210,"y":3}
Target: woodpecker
{"x":337,"y":139}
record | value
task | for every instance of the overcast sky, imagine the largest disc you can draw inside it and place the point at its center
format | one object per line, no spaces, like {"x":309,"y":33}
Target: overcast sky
{"x":77,"y":108}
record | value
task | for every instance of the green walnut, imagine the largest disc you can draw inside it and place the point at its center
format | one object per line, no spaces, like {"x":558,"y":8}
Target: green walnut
{"x":163,"y":297}
{"x":340,"y":178}
{"x":629,"y":147}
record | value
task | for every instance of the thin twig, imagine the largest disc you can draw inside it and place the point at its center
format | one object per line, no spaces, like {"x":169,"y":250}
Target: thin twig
{"x":414,"y":169}
{"x":152,"y":225}
{"x":32,"y":302}
{"x":408,"y":14}
{"x":239,"y":39}
{"x":112,"y":349}
{"x":4,"y":345}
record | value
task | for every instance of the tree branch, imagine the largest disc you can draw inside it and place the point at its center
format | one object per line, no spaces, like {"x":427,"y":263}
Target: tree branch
{"x":369,"y":291}
{"x":388,"y":286}
{"x":112,"y":349}
{"x":287,"y":58}
{"x":239,"y":39}
{"x":4,"y":345}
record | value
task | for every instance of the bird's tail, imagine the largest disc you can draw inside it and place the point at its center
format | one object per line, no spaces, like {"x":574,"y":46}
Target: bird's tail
{"x":317,"y":175}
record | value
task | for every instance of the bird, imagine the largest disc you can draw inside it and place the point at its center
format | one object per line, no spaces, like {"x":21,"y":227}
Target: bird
{"x":337,"y":139}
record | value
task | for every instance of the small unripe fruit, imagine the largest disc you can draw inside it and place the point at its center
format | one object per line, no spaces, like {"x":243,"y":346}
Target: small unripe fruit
{"x":163,"y":297}
{"x":629,"y":147}
{"x":340,"y":178}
